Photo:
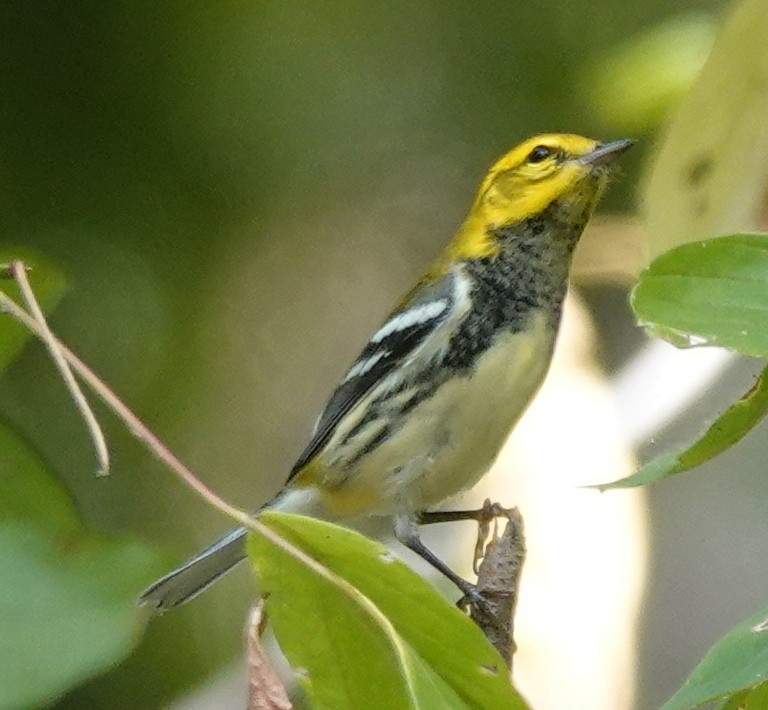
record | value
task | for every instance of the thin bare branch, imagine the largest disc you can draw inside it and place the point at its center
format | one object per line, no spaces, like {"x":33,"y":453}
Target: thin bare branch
{"x":155,"y":446}
{"x":498,"y":579}
{"x":19,"y":272}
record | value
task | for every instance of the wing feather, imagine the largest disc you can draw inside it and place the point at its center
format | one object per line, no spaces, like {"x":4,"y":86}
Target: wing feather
{"x":399,"y":337}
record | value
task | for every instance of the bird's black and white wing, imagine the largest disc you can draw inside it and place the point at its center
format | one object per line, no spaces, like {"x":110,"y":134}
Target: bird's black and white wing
{"x":409,"y":331}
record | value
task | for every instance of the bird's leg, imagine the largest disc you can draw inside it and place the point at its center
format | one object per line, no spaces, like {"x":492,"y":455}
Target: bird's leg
{"x":482,"y":516}
{"x":406,"y":530}
{"x":429,"y":517}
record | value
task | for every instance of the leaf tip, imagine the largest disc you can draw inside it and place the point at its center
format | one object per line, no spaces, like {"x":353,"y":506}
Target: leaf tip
{"x":600,"y":487}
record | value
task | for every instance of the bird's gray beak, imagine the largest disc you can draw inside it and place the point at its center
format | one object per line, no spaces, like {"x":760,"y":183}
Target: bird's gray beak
{"x":605,"y":152}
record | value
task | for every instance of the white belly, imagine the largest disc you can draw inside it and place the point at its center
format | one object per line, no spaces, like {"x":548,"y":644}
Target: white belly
{"x":458,"y":432}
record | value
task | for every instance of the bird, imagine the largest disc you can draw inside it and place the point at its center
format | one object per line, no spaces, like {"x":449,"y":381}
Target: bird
{"x":424,"y":410}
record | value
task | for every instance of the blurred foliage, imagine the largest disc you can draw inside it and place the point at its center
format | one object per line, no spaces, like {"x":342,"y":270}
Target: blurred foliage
{"x":710,"y":173}
{"x":67,"y":601}
{"x":234,"y":193}
{"x":632,"y":86}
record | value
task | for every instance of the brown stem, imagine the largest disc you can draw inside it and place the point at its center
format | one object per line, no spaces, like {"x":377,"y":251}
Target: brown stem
{"x":265,"y":689}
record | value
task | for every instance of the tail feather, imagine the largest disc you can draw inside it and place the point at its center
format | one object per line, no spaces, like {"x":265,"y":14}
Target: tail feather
{"x":202,"y":570}
{"x":197,"y":574}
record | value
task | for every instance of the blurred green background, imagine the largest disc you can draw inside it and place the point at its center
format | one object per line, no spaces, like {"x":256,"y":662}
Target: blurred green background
{"x":235,"y":192}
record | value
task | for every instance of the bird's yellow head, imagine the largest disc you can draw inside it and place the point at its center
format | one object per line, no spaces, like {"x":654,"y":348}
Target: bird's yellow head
{"x":565,"y":169}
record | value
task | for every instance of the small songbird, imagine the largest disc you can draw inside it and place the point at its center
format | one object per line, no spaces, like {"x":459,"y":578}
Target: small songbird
{"x":424,"y":410}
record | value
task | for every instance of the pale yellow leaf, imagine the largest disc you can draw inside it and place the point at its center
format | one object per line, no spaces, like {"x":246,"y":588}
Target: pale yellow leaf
{"x":710,"y":173}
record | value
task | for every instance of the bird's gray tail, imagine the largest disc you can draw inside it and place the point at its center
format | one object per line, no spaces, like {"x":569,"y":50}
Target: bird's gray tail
{"x":196,"y":574}
{"x":202,"y":570}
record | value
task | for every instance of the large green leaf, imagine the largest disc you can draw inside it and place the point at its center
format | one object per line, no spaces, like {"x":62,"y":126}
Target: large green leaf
{"x":736,"y":662}
{"x":67,"y":609}
{"x":713,"y":292}
{"x":67,"y":596}
{"x":709,"y":175}
{"x":729,"y":428}
{"x":365,"y":630}
{"x":48,"y":284}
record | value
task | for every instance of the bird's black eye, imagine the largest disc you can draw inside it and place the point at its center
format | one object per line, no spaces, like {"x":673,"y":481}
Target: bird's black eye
{"x":539,"y":153}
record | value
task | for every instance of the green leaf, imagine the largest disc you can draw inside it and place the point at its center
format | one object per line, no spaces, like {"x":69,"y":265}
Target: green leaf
{"x":67,"y":596}
{"x":734,"y":702}
{"x":713,"y":292}
{"x":48,"y":284}
{"x":753,"y":699}
{"x":67,"y":609}
{"x":728,"y":429}
{"x":736,"y":662}
{"x":757,"y":699}
{"x":364,"y":629}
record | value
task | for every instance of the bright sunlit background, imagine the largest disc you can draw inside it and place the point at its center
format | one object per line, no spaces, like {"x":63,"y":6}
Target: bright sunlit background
{"x":237,"y":192}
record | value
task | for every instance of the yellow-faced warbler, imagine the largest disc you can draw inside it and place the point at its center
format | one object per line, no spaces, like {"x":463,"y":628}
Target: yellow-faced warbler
{"x":424,"y":410}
